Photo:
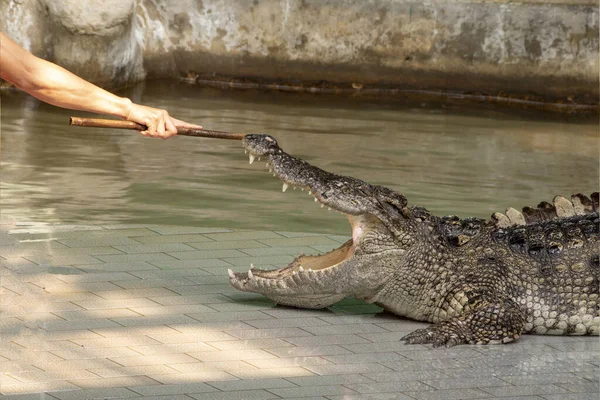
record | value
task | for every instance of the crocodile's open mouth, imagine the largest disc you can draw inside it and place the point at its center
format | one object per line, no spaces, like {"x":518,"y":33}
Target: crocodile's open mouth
{"x":304,"y":268}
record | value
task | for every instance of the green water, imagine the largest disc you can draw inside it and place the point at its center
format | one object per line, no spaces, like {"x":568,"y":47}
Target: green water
{"x":464,"y":162}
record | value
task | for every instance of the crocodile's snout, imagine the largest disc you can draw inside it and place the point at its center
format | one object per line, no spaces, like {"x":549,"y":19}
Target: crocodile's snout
{"x":260,"y":145}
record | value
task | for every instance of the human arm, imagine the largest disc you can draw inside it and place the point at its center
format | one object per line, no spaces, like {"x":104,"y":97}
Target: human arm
{"x":55,"y":85}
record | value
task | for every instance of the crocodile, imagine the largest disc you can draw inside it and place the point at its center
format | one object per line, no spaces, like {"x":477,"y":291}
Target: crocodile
{"x":476,"y":281}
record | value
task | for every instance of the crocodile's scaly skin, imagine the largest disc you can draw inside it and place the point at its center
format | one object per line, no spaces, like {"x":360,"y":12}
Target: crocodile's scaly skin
{"x":477,"y":281}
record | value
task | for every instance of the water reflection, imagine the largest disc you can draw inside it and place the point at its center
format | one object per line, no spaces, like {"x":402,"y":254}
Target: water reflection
{"x":465,"y":163}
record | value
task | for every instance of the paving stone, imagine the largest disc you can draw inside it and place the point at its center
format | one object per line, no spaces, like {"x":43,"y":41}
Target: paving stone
{"x":582,"y":387}
{"x":105,"y":304}
{"x":263,"y":373}
{"x":290,"y":250}
{"x":269,"y":333}
{"x":259,"y":261}
{"x":176,"y":348}
{"x":421,"y":375}
{"x":38,"y":387}
{"x":328,"y":380}
{"x":116,"y":342}
{"x":154,"y":248}
{"x":524,"y":390}
{"x":126,"y":266}
{"x":326,"y":340}
{"x":179,"y":309}
{"x":191,"y":338}
{"x":80,"y":287}
{"x":287,"y":323}
{"x":294,"y":351}
{"x":307,"y":391}
{"x":449,"y":394}
{"x":95,"y":314}
{"x":227,"y":366}
{"x":99,"y":241}
{"x":240,"y":355}
{"x":166,"y":239}
{"x":190,"y":299}
{"x":347,"y":369}
{"x":133,"y":371}
{"x":389,"y":387}
{"x":453,"y":383}
{"x":179,"y":230}
{"x":571,"y":396}
{"x":188,"y":264}
{"x":300,"y":241}
{"x":251,"y":384}
{"x":200,"y":254}
{"x":122,"y":381}
{"x":77,"y":324}
{"x":32,"y":396}
{"x":364,"y":358}
{"x":372,"y":396}
{"x":68,"y":260}
{"x":128,"y":258}
{"x":230,"y":316}
{"x":524,"y":380}
{"x":82,"y":277}
{"x":266,"y":343}
{"x":231,"y":244}
{"x":166,"y":390}
{"x":121,"y":294}
{"x":237,"y":395}
{"x":181,"y":378}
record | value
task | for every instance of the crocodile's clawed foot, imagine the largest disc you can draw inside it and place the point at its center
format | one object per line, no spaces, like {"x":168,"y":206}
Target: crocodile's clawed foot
{"x":435,"y":336}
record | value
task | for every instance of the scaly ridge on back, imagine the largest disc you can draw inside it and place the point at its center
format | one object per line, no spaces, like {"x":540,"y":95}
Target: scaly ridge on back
{"x":561,"y":207}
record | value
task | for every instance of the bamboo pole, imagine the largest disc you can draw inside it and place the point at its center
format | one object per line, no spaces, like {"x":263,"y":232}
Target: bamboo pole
{"x":119,"y":124}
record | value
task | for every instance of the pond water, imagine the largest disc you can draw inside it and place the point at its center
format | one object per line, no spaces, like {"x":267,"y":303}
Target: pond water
{"x":451,"y":161}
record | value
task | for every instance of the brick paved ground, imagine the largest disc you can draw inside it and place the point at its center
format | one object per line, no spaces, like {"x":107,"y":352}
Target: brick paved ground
{"x":98,"y":312}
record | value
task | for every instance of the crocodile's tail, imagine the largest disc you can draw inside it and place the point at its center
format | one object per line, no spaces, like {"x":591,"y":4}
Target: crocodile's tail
{"x":561,"y":207}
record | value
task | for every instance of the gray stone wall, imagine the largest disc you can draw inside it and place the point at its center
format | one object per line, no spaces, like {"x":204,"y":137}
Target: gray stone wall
{"x":524,"y":49}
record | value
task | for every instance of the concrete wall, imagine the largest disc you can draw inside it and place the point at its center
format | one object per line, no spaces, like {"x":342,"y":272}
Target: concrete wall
{"x":541,"y":50}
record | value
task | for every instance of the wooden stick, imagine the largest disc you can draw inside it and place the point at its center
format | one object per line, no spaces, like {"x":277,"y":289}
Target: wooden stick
{"x":119,"y":124}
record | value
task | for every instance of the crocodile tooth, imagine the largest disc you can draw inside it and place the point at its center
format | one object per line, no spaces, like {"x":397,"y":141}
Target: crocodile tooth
{"x":258,"y":158}
{"x":309,"y":192}
{"x":281,"y":284}
{"x":328,"y":208}
{"x":250,"y":274}
{"x":322,"y":205}
{"x":251,"y":158}
{"x":231,"y":274}
{"x":293,"y":272}
{"x":301,"y":269}
{"x":294,"y":187}
{"x":316,"y":200}
{"x":285,"y":186}
{"x":245,"y":151}
{"x":290,"y":282}
{"x":302,"y":189}
{"x":270,"y":170}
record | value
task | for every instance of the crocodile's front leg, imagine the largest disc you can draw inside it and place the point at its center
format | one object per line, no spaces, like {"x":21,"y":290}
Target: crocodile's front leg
{"x":487,"y":321}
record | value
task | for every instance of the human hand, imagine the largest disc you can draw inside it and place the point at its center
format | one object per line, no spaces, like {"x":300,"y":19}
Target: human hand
{"x":159,"y":123}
